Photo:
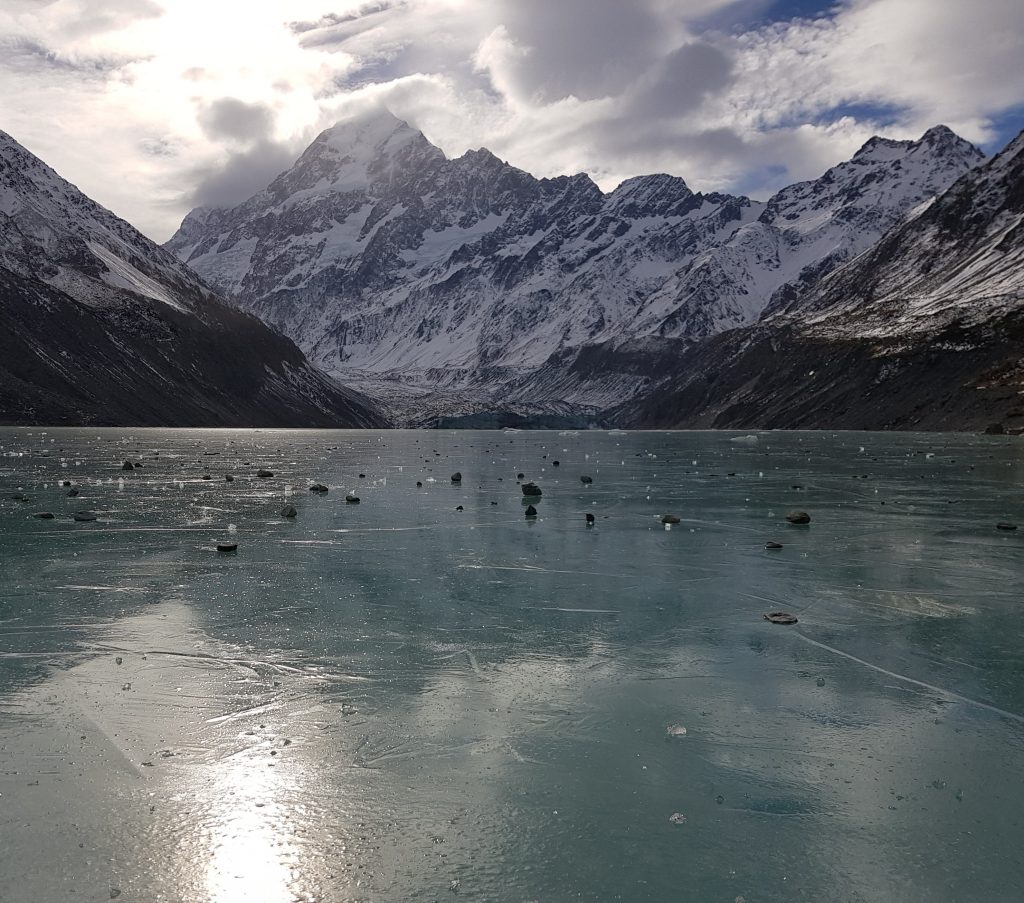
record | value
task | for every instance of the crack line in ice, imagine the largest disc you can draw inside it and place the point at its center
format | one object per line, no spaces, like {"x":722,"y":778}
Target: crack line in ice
{"x":911,"y":680}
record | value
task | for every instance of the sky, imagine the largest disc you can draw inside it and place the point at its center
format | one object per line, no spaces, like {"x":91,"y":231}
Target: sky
{"x":153,"y":107}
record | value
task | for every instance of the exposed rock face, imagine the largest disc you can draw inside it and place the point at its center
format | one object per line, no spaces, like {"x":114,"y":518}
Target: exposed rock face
{"x":382,"y":258}
{"x":99,"y":325}
{"x":922,"y":331}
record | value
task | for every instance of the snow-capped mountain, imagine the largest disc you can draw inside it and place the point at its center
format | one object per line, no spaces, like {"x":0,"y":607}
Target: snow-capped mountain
{"x":377,"y":254}
{"x":806,"y":231}
{"x":961,"y":258}
{"x":100,"y":325}
{"x":924,"y":330}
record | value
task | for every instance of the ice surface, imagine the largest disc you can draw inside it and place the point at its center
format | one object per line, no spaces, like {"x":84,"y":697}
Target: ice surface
{"x":386,"y":701}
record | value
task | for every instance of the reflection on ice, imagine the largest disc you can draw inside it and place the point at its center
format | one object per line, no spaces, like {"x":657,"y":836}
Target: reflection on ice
{"x":251,"y":854}
{"x":391,"y":700}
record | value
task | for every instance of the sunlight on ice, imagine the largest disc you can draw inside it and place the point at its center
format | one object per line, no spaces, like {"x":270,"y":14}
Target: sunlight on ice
{"x":246,"y":859}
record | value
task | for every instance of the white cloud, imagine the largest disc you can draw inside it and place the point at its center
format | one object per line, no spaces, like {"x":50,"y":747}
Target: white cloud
{"x":150,"y":105}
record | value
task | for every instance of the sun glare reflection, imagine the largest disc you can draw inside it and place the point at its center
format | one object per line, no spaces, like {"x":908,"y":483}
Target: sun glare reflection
{"x":252,"y":850}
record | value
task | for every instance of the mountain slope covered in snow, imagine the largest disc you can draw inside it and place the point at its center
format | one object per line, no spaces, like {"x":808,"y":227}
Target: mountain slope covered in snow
{"x":379,"y":255}
{"x":100,"y":325}
{"x":925,"y":330}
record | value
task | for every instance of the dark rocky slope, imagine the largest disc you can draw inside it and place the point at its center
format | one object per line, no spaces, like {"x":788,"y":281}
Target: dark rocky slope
{"x":98,"y":325}
{"x":767,"y":377}
{"x":144,"y":363}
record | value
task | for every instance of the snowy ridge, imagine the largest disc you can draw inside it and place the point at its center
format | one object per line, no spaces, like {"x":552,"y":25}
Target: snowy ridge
{"x":921,"y":331}
{"x":100,"y":325}
{"x":85,"y":249}
{"x":377,"y":254}
{"x":961,"y":258}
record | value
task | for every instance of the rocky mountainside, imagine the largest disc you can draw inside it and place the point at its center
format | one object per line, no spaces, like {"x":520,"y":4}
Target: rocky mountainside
{"x":925,"y":330}
{"x":381,"y":257}
{"x":99,"y":325}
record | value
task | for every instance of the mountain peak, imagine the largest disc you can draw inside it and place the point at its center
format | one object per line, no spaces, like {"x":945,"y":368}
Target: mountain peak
{"x":939,"y":139}
{"x":368,"y":129}
{"x":658,"y":194}
{"x":356,"y":153}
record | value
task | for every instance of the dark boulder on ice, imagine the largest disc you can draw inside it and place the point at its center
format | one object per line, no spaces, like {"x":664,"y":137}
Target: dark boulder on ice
{"x":264,"y":474}
{"x":20,"y":498}
{"x":228,"y":478}
{"x":127,"y":466}
{"x":459,"y":508}
{"x":590,"y":520}
{"x":531,"y":511}
{"x":419,"y":484}
{"x":44,"y":515}
{"x":227,"y":547}
{"x":798,"y":517}
{"x":780,"y":617}
{"x":772,"y":546}
{"x":520,"y":476}
{"x":586,"y":480}
{"x":531,"y":490}
{"x":318,"y":487}
{"x":456,"y":477}
{"x":84,"y":516}
{"x":669,"y":519}
{"x":73,"y":492}
{"x":65,"y":483}
{"x":1003,"y":525}
{"x":554,"y":464}
{"x":351,"y":499}
{"x":289,"y":511}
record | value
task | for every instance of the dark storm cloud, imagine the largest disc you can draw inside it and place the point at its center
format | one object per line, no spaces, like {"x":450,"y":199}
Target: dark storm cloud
{"x":232,"y":119}
{"x":243,"y":174}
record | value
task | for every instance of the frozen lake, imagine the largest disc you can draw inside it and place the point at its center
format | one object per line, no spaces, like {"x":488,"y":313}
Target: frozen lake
{"x":401,"y":701}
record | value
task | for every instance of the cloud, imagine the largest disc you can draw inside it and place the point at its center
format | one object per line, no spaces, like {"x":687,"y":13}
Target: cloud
{"x":235,"y":120}
{"x":21,"y":52}
{"x":150,"y":105}
{"x":240,"y":176}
